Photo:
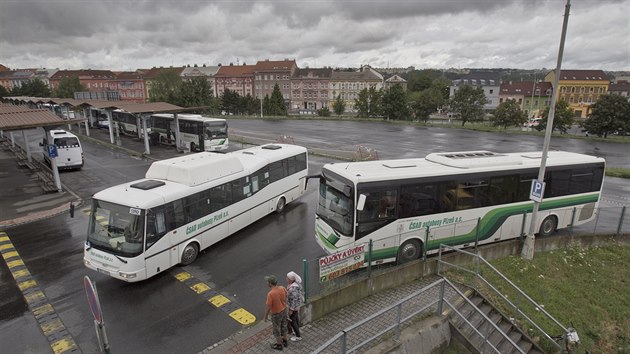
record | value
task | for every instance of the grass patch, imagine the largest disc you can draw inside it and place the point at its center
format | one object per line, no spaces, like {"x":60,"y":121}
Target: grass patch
{"x":584,"y":288}
{"x":618,"y":172}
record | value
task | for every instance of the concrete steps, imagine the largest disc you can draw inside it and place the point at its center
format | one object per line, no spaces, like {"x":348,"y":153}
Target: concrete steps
{"x":490,"y":335}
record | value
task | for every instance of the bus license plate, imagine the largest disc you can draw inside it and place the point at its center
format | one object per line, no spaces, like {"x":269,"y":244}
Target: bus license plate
{"x":103,"y":271}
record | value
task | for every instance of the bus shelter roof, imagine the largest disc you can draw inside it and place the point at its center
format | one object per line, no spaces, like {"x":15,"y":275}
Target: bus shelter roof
{"x":131,"y":107}
{"x":21,"y":117}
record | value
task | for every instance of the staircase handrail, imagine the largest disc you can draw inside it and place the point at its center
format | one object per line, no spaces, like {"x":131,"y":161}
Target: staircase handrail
{"x":523,"y":294}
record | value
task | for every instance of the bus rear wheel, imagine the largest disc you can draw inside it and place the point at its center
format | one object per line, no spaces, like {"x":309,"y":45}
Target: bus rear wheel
{"x":409,"y":251}
{"x":548,"y":226}
{"x":193,"y":148}
{"x":281,"y":204}
{"x":190,"y":253}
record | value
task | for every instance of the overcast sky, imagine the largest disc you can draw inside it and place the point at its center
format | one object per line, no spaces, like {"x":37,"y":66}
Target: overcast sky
{"x":131,"y":34}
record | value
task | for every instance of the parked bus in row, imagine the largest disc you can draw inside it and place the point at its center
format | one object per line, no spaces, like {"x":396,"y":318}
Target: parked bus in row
{"x":127,"y":123}
{"x":408,"y":207}
{"x":186,"y":204}
{"x":196,"y":132}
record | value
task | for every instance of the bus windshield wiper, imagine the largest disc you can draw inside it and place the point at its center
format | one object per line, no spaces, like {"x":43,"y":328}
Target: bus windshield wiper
{"x":120,"y":259}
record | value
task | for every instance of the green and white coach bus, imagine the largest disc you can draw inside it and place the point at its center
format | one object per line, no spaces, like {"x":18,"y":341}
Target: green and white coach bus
{"x":410,"y":206}
{"x":187,"y":204}
{"x":196,"y":132}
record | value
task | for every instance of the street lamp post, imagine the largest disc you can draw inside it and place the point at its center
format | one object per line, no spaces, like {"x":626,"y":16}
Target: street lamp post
{"x":528,"y":246}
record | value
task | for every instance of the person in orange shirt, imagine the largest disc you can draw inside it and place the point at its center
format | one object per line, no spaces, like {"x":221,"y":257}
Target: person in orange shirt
{"x":277,"y":305}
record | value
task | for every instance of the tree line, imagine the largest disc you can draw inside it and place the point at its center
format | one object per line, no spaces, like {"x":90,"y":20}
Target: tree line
{"x":427,"y":93}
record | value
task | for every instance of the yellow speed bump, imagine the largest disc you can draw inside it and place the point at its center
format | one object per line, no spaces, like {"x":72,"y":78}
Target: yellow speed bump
{"x":219,"y":300}
{"x":4,"y":237}
{"x":200,"y":288}
{"x":63,"y":345}
{"x":243,"y":317}
{"x":27,"y":284}
{"x":10,"y":254}
{"x":20,"y":273}
{"x":16,"y":263}
{"x":6,"y":246}
{"x":183,"y":276}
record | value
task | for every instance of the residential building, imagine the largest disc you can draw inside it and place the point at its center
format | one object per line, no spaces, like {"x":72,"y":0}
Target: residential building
{"x":580,"y":88}
{"x":532,"y":97}
{"x":237,"y":78}
{"x":151,"y":74}
{"x":202,"y":71}
{"x":349,"y":82}
{"x":621,"y":88}
{"x":489,"y":81}
{"x":130,"y":86}
{"x":93,"y":80}
{"x":3,"y":68}
{"x":396,"y":80}
{"x":309,"y":90}
{"x":268,"y":73}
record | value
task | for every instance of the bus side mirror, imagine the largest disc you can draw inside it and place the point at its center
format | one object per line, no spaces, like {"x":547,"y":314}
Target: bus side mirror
{"x":361,"y":202}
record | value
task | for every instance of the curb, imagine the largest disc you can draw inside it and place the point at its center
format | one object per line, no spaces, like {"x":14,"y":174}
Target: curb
{"x":40,"y":215}
{"x":243,"y":340}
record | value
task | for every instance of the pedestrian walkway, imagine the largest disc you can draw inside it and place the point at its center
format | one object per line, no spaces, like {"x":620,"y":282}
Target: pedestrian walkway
{"x":23,"y":199}
{"x":258,"y":339}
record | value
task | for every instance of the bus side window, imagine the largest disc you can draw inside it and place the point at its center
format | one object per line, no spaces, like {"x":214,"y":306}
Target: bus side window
{"x":156,"y":225}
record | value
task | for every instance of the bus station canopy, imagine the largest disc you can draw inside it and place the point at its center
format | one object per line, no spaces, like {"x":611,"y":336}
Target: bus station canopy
{"x":21,"y":117}
{"x":131,"y":107}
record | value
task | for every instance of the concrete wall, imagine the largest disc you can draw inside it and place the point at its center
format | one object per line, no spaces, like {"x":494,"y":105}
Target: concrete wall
{"x":390,"y":278}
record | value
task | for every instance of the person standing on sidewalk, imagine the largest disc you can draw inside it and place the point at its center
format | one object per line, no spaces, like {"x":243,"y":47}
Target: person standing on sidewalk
{"x":294,"y":301}
{"x":277,"y":305}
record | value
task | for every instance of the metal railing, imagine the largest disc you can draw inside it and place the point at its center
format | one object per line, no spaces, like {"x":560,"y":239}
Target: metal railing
{"x":389,"y":322}
{"x":517,"y":310}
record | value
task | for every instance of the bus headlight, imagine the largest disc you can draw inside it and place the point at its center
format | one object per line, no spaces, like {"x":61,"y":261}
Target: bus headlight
{"x":127,"y":275}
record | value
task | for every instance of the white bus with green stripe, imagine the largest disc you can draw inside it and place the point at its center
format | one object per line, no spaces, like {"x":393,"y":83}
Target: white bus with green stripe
{"x":196,"y":132}
{"x":186,"y":204}
{"x":408,"y":207}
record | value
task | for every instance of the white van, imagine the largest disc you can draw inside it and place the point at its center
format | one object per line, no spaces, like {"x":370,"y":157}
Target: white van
{"x":69,"y":151}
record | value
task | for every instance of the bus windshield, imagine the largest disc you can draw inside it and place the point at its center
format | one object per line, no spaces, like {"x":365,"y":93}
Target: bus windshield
{"x":116,"y":229}
{"x":215,"y":129}
{"x":335,"y":207}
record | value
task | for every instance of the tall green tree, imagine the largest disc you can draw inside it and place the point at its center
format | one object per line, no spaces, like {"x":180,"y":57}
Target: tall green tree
{"x":611,"y":113}
{"x":425,"y":102}
{"x":266,"y":105}
{"x":230,"y":102}
{"x":33,"y":88}
{"x":508,"y":114}
{"x":375,"y":102}
{"x":4,"y":92}
{"x":195,"y":92}
{"x":339,"y":105}
{"x":467,"y":103}
{"x":395,"y":103}
{"x":361,"y":103}
{"x":277,"y":107}
{"x":251,"y":105}
{"x":562,"y":119}
{"x":165,"y":87}
{"x":68,"y":86}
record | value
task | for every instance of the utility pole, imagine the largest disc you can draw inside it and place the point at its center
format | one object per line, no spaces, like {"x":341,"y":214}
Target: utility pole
{"x":528,"y":246}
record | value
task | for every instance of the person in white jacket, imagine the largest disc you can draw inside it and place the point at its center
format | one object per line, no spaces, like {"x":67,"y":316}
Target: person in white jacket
{"x":294,"y":302}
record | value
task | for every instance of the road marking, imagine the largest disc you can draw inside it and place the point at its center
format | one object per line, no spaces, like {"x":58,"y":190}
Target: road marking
{"x":219,"y":301}
{"x":49,"y":322}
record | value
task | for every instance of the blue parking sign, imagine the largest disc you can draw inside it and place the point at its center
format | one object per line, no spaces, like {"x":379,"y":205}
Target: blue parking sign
{"x":537,"y":191}
{"x":52,"y":151}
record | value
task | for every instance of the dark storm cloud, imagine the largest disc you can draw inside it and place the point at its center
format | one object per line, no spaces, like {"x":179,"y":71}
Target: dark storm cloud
{"x":125,"y":35}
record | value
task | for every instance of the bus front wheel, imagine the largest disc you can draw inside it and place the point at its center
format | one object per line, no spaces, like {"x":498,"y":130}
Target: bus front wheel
{"x":193,"y":148}
{"x":409,"y":251}
{"x":190,"y":253}
{"x":281,"y":204}
{"x":548,"y":226}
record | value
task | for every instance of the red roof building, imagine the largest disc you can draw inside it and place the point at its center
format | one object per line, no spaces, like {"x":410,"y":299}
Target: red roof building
{"x":237,"y":78}
{"x":268,"y":73}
